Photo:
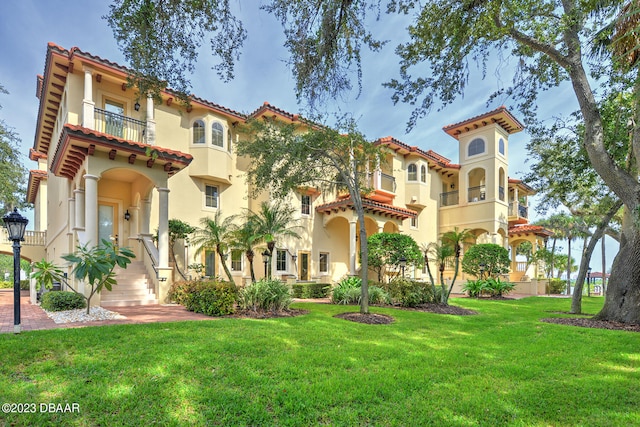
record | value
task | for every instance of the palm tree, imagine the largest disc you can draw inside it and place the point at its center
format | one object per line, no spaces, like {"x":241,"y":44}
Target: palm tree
{"x":273,"y":222}
{"x":435,"y":252}
{"x":455,"y":238}
{"x":215,"y":233}
{"x":245,"y":239}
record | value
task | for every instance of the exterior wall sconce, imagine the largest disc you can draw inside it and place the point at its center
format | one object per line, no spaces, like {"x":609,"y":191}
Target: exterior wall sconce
{"x":136,"y":106}
{"x":127,"y":215}
{"x":294,"y":258}
{"x":402,"y":263}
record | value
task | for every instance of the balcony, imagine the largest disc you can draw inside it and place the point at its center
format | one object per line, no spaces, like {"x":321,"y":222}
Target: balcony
{"x":119,"y":126}
{"x":450,"y":198}
{"x":383,"y":186}
{"x":518,"y":211}
{"x":477,"y":194}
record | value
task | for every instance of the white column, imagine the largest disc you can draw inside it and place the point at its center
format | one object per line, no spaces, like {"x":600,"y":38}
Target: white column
{"x":150,"y":133}
{"x":163,"y":228}
{"x":79,"y":207}
{"x":91,"y":209}
{"x":88,"y":105}
{"x":71,"y":215}
{"x":145,"y":217}
{"x":352,"y":247}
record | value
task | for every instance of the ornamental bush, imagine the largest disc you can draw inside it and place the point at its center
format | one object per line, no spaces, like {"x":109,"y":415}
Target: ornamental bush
{"x":62,"y":300}
{"x":265,"y":295}
{"x":409,"y":293}
{"x":349,"y":291}
{"x":491,"y":287}
{"x":310,"y":290}
{"x":213,"y":298}
{"x":556,"y":286}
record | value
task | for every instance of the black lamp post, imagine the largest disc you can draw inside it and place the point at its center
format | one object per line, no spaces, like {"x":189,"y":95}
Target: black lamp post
{"x":589,"y":281}
{"x":265,"y":259}
{"x":481,"y":270}
{"x":15,"y":225}
{"x":403,"y":264}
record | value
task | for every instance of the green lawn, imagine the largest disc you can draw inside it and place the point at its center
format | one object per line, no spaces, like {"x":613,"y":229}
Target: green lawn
{"x":501,"y":367}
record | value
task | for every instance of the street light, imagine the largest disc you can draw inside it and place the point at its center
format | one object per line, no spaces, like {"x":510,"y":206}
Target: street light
{"x":403,"y":263}
{"x":481,"y":270}
{"x":15,"y":225}
{"x":589,"y":281}
{"x":265,"y":259}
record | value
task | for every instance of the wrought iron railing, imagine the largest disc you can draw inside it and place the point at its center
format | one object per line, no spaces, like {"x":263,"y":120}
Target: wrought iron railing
{"x":451,"y":198}
{"x":120,"y":126}
{"x":477,"y":194}
{"x":516,"y":209}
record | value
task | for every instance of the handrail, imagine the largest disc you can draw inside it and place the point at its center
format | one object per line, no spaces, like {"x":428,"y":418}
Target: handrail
{"x":151,"y":250}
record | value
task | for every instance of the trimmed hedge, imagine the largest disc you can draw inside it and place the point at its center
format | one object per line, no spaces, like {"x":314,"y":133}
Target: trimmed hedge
{"x":409,"y":293}
{"x":310,"y":290}
{"x":5,"y":284}
{"x":212,"y":298}
{"x":62,"y":300}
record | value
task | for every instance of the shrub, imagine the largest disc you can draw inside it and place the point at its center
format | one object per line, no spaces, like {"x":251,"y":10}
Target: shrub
{"x":25,"y":284}
{"x":343,"y":292}
{"x":265,"y":295}
{"x":310,"y":290}
{"x":490,"y":286}
{"x":556,"y":286}
{"x":62,"y":300}
{"x":213,"y":298}
{"x":474,"y":288}
{"x":5,"y":284}
{"x":377,"y":295}
{"x":409,"y":293}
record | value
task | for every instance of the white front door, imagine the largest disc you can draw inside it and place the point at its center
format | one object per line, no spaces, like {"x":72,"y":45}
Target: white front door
{"x":107,"y":226}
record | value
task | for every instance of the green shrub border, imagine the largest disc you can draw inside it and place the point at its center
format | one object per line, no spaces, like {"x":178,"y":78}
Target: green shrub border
{"x":62,"y":300}
{"x":310,"y":290}
{"x":213,"y":298}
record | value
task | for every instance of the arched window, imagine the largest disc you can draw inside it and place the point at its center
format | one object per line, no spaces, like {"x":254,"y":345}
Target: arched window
{"x":423,"y":174}
{"x":198,"y":132}
{"x":501,"y":146}
{"x":217,"y":134}
{"x":412,"y":172}
{"x":476,"y":147}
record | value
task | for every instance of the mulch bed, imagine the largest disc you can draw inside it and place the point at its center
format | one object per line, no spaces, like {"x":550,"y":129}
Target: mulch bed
{"x":441,"y":309}
{"x":369,"y":318}
{"x":591,"y":323}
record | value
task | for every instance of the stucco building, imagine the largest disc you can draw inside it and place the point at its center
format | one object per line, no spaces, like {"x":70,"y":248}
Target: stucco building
{"x":113,"y":165}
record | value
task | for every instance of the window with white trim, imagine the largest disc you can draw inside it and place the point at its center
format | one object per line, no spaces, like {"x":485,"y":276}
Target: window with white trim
{"x":414,"y":222}
{"x":412,"y":172}
{"x":323,"y":262}
{"x":476,"y":147}
{"x":211,"y":196}
{"x":217,"y":134}
{"x":306,"y":204}
{"x":423,"y":173}
{"x":198,"y":132}
{"x":501,"y":146}
{"x":281,"y":260}
{"x":236,"y":260}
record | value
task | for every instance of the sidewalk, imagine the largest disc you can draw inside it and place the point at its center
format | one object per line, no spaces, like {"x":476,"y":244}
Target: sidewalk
{"x":32,"y":317}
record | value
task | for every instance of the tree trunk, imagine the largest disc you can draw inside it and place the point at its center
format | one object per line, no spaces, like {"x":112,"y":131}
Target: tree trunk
{"x":224,"y":263}
{"x":455,"y":275}
{"x":622,"y":301}
{"x":604,"y":264}
{"x":569,"y":265}
{"x":576,"y":301}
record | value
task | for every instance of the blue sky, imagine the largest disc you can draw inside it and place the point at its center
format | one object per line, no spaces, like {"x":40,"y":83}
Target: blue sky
{"x":26,"y":26}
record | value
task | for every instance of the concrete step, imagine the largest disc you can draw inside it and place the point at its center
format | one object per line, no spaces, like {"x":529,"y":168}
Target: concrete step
{"x":128,"y":302}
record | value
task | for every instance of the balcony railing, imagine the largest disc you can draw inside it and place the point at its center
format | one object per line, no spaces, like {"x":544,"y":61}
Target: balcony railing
{"x":31,"y":238}
{"x":120,"y":126}
{"x":451,"y":198}
{"x":477,"y":194}
{"x":516,"y":209}
{"x":501,"y":193}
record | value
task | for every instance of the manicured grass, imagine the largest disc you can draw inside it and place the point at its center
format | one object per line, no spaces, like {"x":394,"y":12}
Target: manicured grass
{"x":501,"y":367}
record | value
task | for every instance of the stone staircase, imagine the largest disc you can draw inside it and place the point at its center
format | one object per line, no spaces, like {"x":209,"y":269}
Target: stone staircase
{"x":133,"y":288}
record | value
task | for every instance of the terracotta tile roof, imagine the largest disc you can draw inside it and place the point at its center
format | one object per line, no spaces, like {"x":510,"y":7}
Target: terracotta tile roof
{"x":500,"y":116}
{"x":370,"y":206}
{"x":521,"y":184}
{"x":35,"y":177}
{"x":87,"y":140}
{"x":430,"y":155}
{"x":34,"y":155}
{"x":530,"y":229}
